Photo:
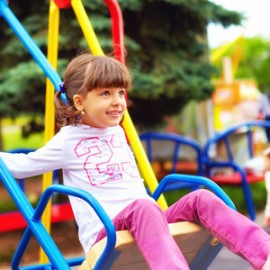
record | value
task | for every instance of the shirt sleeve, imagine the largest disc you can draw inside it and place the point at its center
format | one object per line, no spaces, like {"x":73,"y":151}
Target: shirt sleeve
{"x":45,"y":159}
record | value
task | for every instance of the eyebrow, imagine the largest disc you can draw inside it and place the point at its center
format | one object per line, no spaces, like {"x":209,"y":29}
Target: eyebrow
{"x":100,"y":89}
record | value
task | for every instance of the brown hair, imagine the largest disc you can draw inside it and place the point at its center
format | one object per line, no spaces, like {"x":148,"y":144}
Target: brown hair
{"x":83,"y":74}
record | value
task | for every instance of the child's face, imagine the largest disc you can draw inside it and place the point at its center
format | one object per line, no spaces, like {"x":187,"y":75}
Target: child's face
{"x":103,"y":107}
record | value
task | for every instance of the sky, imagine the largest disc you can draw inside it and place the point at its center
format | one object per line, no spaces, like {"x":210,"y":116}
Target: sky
{"x":257,"y":23}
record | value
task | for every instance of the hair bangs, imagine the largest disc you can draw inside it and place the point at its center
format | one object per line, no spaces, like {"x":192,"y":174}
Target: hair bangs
{"x":108,"y":74}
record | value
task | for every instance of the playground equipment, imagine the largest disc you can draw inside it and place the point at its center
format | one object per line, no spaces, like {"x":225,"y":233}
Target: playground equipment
{"x":165,"y":150}
{"x":227,"y":170}
{"x":220,"y":52}
{"x":14,"y":220}
{"x":198,"y":246}
{"x":235,"y":107}
{"x":204,"y":253}
{"x":234,"y":100}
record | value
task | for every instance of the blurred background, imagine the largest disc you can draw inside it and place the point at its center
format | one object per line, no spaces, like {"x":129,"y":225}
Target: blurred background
{"x":198,"y":67}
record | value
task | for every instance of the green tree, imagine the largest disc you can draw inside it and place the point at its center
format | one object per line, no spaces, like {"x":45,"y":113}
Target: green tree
{"x":255,"y":62}
{"x":166,"y":51}
{"x":170,"y":65}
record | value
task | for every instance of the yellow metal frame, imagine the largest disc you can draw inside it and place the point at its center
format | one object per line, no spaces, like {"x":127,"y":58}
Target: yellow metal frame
{"x":222,"y":51}
{"x":52,"y":55}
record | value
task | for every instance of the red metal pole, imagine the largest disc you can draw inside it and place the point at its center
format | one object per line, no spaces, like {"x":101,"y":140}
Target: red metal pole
{"x":117,"y":29}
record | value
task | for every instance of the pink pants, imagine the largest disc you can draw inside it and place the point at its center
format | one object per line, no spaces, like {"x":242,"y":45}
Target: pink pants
{"x":148,"y":225}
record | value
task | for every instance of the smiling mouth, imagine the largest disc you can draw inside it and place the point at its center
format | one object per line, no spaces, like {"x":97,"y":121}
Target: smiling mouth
{"x":115,"y":113}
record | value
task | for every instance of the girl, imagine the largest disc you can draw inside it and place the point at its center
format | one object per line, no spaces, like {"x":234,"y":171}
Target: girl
{"x":92,"y":150}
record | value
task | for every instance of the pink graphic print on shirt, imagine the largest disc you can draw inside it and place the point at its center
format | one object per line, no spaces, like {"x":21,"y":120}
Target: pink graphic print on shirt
{"x":99,"y":164}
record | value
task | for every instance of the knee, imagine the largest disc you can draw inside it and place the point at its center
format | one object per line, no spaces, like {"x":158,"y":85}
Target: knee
{"x":205,"y":196}
{"x":145,"y":206}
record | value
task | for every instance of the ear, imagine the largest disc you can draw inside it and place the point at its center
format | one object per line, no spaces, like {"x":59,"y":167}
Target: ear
{"x":78,"y":102}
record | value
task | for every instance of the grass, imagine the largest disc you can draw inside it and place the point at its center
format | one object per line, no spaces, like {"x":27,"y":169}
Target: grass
{"x":6,"y":205}
{"x":13,"y":140}
{"x":235,"y":193}
{"x":12,"y":137}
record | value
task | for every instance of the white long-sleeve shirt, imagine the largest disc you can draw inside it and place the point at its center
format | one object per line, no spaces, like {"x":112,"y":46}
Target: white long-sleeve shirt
{"x":98,"y":161}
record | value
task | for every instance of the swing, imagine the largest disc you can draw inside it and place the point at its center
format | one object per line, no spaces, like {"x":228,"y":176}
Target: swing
{"x":118,"y":249}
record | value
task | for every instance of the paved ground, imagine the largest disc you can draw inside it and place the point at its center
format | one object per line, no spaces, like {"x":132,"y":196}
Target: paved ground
{"x":226,"y":260}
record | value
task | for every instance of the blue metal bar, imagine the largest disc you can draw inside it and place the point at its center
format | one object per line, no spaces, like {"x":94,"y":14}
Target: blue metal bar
{"x":175,"y":156}
{"x":27,"y":211}
{"x":205,"y":256}
{"x":249,"y":141}
{"x":149,"y":150}
{"x":198,"y":180}
{"x":29,"y":44}
{"x":35,"y":226}
{"x":233,"y":129}
{"x":244,"y":183}
{"x":71,"y":262}
{"x":178,"y":140}
{"x":209,"y":163}
{"x":228,"y":148}
{"x":70,"y":191}
{"x":21,"y":249}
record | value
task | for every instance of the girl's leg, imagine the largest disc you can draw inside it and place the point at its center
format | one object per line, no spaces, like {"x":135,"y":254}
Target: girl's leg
{"x":235,"y":231}
{"x":148,"y":225}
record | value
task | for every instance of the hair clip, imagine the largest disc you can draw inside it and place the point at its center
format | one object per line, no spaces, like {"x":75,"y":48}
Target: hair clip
{"x":62,"y":87}
{"x":63,"y":92}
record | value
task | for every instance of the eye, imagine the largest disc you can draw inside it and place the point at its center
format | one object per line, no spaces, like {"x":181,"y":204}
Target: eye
{"x":105,"y":93}
{"x":122,"y":92}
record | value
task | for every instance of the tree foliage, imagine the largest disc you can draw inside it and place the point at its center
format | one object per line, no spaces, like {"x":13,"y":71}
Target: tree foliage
{"x":255,"y":62}
{"x":166,"y":46}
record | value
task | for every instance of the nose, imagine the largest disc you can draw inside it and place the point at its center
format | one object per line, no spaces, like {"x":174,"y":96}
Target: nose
{"x":116,"y":100}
